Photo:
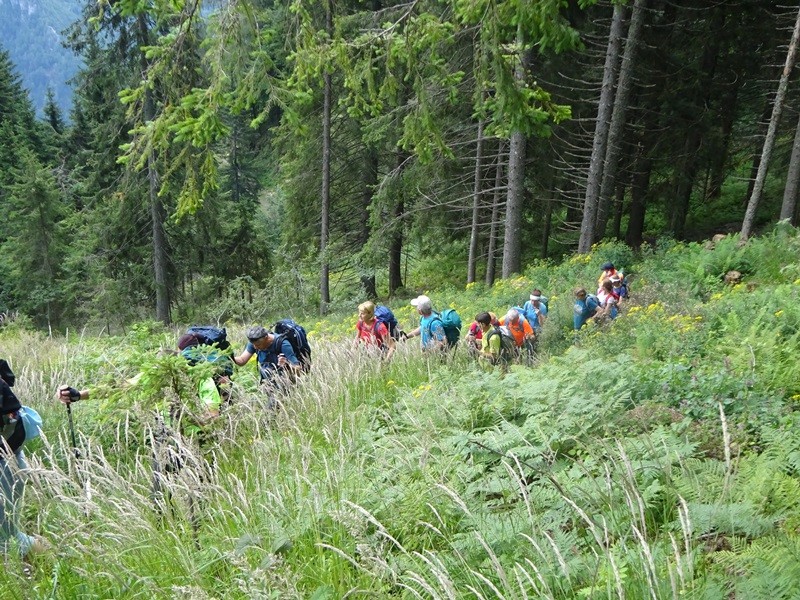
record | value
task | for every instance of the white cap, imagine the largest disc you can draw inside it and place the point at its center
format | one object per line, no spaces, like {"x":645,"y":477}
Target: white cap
{"x":535,"y":297}
{"x":421,"y":302}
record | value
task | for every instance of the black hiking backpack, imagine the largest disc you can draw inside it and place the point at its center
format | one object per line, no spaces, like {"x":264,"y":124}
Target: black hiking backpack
{"x":6,"y":373}
{"x":508,"y":345}
{"x":295,"y":334}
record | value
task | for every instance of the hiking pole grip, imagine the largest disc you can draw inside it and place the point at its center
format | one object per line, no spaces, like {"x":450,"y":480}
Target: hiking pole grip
{"x":72,"y":431}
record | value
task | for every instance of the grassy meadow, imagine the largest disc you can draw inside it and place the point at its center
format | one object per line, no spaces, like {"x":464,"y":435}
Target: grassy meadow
{"x":657,"y":456}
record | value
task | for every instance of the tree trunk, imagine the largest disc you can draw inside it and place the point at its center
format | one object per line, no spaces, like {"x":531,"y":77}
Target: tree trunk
{"x":158,"y":215}
{"x":325,"y":199}
{"x":618,"y":116}
{"x":640,"y":182}
{"x":761,"y":133}
{"x":601,"y":127}
{"x":619,"y":209}
{"x":769,"y":140}
{"x":476,"y":205}
{"x":396,"y":244}
{"x":512,"y":240}
{"x":370,"y":183}
{"x":491,"y":259}
{"x":548,"y":222}
{"x":687,"y":170}
{"x":728,"y":105}
{"x":512,"y":244}
{"x":792,"y":179}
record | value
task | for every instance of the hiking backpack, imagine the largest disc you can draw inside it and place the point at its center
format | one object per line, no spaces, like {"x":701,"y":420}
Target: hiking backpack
{"x":295,"y":334}
{"x":508,"y":345}
{"x":384,"y":315}
{"x":208,"y":335}
{"x":6,"y":373}
{"x":451,"y":323}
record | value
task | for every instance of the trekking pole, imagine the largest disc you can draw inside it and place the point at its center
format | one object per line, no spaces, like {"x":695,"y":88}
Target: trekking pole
{"x":72,"y":431}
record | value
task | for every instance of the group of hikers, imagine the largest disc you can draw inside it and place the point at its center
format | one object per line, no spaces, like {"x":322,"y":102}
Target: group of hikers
{"x":510,"y":338}
{"x":612,"y":290}
{"x":282,"y":354}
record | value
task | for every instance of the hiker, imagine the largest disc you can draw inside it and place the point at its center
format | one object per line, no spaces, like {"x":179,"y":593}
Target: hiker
{"x":608,"y":271}
{"x":609,"y":300}
{"x":372,"y":332}
{"x":586,"y":306}
{"x":12,"y":482}
{"x":537,"y":305}
{"x":519,"y":328}
{"x":620,"y":286}
{"x":277,"y":361}
{"x":196,"y":351}
{"x":497,"y":344}
{"x":431,"y":328}
{"x":475,"y":335}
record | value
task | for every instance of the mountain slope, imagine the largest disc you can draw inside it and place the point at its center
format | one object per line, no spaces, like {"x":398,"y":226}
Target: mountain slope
{"x":31,"y":32}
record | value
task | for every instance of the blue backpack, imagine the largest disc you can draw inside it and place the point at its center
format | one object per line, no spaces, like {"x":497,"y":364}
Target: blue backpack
{"x":296,"y":336}
{"x":210,"y":336}
{"x":451,"y":323}
{"x":384,"y":315}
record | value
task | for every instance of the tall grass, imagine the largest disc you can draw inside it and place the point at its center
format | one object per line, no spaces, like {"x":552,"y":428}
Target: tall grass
{"x":655,"y":457}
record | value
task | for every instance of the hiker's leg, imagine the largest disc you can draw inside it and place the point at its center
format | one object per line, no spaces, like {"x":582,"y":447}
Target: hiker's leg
{"x":12,"y":487}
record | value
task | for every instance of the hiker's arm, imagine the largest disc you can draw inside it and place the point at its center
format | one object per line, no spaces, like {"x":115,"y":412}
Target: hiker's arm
{"x":242,"y":359}
{"x":412,"y":333}
{"x":68,"y":394}
{"x":287,"y":357}
{"x":527,"y":331}
{"x":390,"y":343}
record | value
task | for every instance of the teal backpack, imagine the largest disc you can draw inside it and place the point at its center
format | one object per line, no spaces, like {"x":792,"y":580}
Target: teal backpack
{"x":451,"y":323}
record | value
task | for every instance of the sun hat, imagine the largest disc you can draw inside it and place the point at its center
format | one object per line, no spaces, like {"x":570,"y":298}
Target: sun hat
{"x":421,"y":302}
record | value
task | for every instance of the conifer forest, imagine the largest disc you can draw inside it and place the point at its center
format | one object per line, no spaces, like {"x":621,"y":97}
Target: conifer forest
{"x":325,"y":150}
{"x":232,"y":163}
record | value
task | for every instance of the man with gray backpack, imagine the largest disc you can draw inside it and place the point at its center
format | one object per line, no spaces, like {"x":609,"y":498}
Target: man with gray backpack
{"x":498,"y":346}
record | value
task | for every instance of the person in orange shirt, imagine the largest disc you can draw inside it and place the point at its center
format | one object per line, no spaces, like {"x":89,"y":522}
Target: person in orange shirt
{"x":608,"y":271}
{"x":519,"y":328}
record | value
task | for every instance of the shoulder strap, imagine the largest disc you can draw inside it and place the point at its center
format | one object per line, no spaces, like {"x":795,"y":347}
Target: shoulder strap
{"x":436,"y":317}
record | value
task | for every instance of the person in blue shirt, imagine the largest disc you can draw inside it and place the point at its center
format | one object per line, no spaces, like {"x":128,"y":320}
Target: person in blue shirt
{"x":620,"y":286}
{"x":536,"y":306}
{"x":431,"y":328}
{"x":277,"y":362}
{"x":585,"y":308}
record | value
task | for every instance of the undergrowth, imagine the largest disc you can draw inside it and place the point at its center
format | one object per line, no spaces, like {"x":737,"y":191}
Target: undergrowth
{"x":655,"y":456}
